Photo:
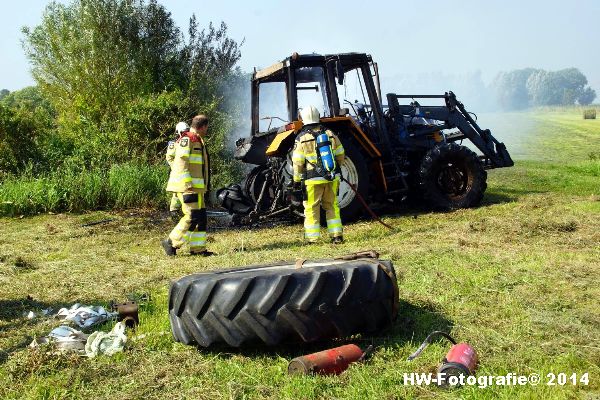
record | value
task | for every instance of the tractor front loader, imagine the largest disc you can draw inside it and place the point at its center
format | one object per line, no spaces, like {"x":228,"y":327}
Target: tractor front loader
{"x":393,"y":151}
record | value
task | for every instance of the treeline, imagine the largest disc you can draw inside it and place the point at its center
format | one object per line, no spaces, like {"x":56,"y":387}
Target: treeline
{"x":530,"y":87}
{"x":113,"y":78}
{"x":513,"y":90}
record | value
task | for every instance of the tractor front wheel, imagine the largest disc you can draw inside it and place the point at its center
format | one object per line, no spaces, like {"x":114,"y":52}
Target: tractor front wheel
{"x":452,"y":177}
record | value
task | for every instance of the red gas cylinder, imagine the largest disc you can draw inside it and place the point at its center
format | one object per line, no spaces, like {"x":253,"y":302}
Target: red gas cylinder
{"x":327,"y":362}
{"x":462,"y":359}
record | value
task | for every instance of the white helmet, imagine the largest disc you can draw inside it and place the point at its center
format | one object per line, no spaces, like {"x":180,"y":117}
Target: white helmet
{"x":310,"y":115}
{"x":181,"y":127}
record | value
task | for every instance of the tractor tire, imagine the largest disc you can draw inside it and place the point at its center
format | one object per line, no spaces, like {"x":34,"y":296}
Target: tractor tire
{"x":452,"y":177}
{"x":279,"y":303}
{"x":354,"y":169}
{"x":252,"y":186}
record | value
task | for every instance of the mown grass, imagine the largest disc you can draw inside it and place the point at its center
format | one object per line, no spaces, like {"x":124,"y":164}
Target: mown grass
{"x":517,"y":278}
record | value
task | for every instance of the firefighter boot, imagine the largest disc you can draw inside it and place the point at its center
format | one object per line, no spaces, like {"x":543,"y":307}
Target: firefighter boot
{"x":204,"y":253}
{"x":337,"y":240}
{"x":167,"y":246}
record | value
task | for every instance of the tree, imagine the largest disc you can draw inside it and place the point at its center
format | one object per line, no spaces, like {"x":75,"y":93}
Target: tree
{"x":562,"y":87}
{"x":573,"y":82}
{"x":4,"y":93}
{"x":89,"y":57}
{"x":17,"y":140}
{"x":26,"y":125}
{"x":540,"y":87}
{"x":586,"y":96}
{"x":511,"y":88}
{"x":100,"y":62}
{"x":520,"y":89}
{"x":29,"y":99}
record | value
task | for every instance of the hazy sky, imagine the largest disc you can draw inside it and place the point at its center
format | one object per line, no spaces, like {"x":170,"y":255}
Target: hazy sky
{"x":403,"y":36}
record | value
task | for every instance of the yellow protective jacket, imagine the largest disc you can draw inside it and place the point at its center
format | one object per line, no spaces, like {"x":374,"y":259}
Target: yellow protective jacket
{"x":304,"y":155}
{"x":189,"y":168}
{"x":170,"y":156}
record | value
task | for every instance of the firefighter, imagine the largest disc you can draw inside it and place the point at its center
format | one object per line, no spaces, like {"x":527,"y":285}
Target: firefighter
{"x":317,"y":156}
{"x":189,"y":180}
{"x":174,"y":203}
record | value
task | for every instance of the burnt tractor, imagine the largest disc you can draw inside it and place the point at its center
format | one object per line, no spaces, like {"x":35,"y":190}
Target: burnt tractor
{"x":393,"y":152}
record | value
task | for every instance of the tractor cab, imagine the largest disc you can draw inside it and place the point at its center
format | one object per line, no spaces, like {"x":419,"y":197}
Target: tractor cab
{"x":281,"y":90}
{"x":340,"y":85}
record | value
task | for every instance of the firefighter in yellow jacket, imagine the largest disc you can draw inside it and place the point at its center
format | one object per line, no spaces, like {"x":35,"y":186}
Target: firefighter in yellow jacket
{"x":174,"y":204}
{"x":312,"y":159}
{"x":189,"y":180}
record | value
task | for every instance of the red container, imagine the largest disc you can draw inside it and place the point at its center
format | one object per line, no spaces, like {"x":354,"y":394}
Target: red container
{"x":461,"y":359}
{"x":327,"y":362}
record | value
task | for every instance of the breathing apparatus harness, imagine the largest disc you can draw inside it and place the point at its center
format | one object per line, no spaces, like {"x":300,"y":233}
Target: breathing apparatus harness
{"x":325,"y":166}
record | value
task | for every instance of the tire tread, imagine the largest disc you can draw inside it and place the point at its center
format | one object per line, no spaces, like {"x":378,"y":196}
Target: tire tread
{"x":282,"y":304}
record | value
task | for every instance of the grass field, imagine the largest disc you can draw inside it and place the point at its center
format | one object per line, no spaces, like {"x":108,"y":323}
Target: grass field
{"x":518,"y":278}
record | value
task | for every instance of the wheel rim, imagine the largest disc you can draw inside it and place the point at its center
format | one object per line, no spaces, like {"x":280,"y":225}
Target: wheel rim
{"x":346,"y":195}
{"x":453,"y":179}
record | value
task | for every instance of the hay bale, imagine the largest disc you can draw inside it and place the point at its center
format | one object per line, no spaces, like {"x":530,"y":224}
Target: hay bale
{"x":589,"y":114}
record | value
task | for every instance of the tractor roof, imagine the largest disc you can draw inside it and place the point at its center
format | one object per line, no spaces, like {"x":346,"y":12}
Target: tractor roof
{"x":276,"y":71}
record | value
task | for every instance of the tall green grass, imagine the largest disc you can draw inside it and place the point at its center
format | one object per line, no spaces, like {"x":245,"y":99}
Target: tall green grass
{"x":131,"y":185}
{"x":122,"y":186}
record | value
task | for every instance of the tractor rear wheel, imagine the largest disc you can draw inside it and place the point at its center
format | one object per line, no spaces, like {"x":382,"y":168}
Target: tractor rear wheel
{"x":354,"y":170}
{"x":452,"y":177}
{"x":253,"y":185}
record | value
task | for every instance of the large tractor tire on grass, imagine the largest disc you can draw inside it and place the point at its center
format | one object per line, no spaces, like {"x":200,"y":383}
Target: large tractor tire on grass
{"x":452,"y":177}
{"x":284,"y":302}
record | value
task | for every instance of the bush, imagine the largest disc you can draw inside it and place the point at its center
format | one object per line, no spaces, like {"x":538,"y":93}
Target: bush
{"x":26,"y":123}
{"x":589,"y":114}
{"x":17,"y":141}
